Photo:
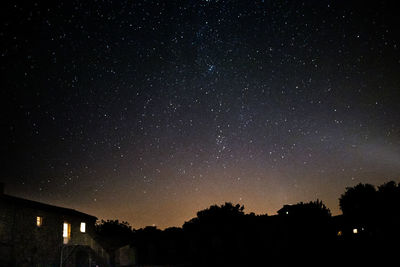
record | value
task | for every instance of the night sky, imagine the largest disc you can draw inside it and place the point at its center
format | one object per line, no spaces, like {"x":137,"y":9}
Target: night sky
{"x":149,"y":111}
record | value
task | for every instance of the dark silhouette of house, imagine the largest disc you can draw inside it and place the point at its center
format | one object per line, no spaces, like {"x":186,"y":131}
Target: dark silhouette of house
{"x":38,"y":234}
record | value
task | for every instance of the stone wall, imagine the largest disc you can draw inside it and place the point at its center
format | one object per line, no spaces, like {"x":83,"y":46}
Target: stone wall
{"x":23,"y":243}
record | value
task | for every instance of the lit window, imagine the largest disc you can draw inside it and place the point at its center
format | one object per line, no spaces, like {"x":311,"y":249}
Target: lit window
{"x":339,"y":233}
{"x":66,"y":232}
{"x":355,"y":231}
{"x":83,"y":227}
{"x":39,"y":221}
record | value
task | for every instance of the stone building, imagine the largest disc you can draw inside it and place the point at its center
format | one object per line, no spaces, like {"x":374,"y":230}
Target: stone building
{"x":38,"y":234}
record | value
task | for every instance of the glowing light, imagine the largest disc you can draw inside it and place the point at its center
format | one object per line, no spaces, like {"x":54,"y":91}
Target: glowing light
{"x":83,"y":227}
{"x":355,"y":231}
{"x":39,"y":221}
{"x":66,"y":232}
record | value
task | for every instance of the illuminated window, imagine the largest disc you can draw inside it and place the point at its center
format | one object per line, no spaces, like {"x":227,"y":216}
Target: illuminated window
{"x":66,"y":232}
{"x":339,"y":233}
{"x":39,"y":221}
{"x":83,"y":227}
{"x":355,"y":231}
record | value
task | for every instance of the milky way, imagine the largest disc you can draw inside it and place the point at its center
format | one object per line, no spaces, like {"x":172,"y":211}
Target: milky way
{"x":148,"y":111}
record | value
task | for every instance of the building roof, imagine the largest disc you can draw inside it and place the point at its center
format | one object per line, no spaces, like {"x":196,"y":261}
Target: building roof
{"x":45,"y":207}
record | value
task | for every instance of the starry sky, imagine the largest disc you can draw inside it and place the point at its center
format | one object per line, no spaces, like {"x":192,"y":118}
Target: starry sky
{"x":148,"y":111}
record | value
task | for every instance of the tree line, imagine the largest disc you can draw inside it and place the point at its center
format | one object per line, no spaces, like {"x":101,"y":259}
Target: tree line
{"x":224,"y":235}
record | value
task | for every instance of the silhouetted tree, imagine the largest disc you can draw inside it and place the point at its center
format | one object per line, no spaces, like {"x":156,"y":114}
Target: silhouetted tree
{"x":388,"y":221}
{"x":389,"y":199}
{"x":217,"y":214}
{"x":214,"y":235}
{"x":300,"y":227}
{"x":306,"y":221}
{"x":359,"y":203}
{"x":113,"y":234}
{"x":375,"y":213}
{"x":313,"y":210}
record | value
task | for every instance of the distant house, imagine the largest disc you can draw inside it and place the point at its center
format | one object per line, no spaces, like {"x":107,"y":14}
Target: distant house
{"x":292,"y":210}
{"x":38,"y":234}
{"x":286,"y":210}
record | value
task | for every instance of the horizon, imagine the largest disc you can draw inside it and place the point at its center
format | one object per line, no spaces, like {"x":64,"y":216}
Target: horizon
{"x":186,"y":220}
